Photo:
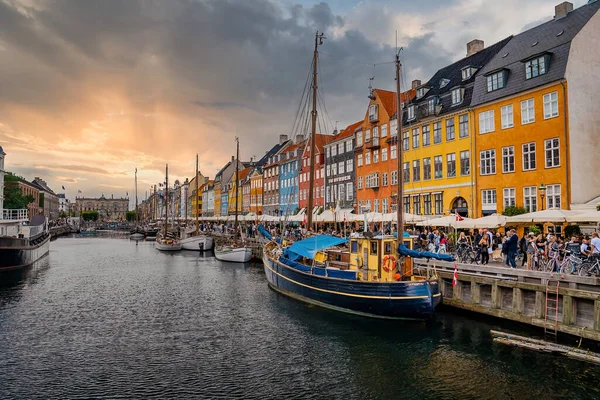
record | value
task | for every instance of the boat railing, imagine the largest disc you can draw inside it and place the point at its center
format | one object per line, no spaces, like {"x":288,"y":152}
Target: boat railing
{"x":14,"y":215}
{"x":36,"y":230}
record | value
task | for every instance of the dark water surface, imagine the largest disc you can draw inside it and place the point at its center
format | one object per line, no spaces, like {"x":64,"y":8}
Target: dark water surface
{"x":106,"y":318}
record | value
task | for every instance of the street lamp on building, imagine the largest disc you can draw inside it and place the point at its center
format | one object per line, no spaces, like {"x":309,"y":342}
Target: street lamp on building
{"x":542,"y":190}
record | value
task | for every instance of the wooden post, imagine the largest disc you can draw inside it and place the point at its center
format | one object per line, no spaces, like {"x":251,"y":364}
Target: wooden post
{"x":457,"y":291}
{"x":475,"y":292}
{"x":540,"y":304}
{"x":567,"y":311}
{"x":496,"y":295}
{"x":597,"y":315}
{"x":517,"y":301}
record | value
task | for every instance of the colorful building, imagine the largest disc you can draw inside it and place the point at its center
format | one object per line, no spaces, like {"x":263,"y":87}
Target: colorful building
{"x":256,"y":191}
{"x":319,"y":178}
{"x":243,"y":174}
{"x":340,"y":174}
{"x":289,"y":167}
{"x":534,"y":105}
{"x":208,"y":199}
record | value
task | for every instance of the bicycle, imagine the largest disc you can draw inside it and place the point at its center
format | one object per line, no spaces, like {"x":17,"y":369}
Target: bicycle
{"x":589,"y":266}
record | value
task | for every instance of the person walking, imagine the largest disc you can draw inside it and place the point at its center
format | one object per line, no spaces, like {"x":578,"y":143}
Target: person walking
{"x":483,"y":247}
{"x":523,"y":250}
{"x":512,"y":247}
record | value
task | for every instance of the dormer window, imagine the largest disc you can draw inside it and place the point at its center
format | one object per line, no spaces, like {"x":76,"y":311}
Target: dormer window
{"x":373,"y":113}
{"x":457,"y":96}
{"x":420,"y":92}
{"x":537,"y":66}
{"x":431,"y":106}
{"x":411,"y":112}
{"x":496,"y":80}
{"x":467,"y":72}
{"x":444,"y":82}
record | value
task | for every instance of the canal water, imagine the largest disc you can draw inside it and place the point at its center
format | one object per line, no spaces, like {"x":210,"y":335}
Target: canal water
{"x":112,"y":319}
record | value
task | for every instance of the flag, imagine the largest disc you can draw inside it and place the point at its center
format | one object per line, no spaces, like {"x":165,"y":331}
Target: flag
{"x":455,"y":278}
{"x":63,"y":188}
{"x":459,"y":218}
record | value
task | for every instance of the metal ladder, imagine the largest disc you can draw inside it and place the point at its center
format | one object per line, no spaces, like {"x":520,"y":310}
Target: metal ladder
{"x":551,"y":327}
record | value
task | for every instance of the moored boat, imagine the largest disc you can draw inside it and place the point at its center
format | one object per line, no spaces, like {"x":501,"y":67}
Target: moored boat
{"x":233,"y":254}
{"x":167,"y":241}
{"x":167,"y":244}
{"x":198,"y":243}
{"x":22,"y":243}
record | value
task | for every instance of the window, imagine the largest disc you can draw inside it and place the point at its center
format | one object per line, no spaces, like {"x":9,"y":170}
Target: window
{"x":488,"y":199}
{"x":405,"y":140}
{"x":349,"y":165}
{"x":417,"y":204}
{"x":465,"y":163}
{"x":535,"y":67}
{"x":420,"y":92}
{"x":529,"y":156}
{"x":552,"y":152}
{"x":394,"y":177}
{"x":508,"y":159}
{"x":406,"y":204}
{"x":384,"y":155}
{"x":349,"y":191}
{"x":334,"y":151}
{"x":360,"y":182}
{"x":328,"y":170}
{"x":426,"y":135}
{"x":383,"y":130}
{"x":431,"y":106}
{"x":359,"y":139}
{"x":463,"y":126}
{"x":509,"y":196}
{"x":439,"y":203}
{"x":340,"y":148}
{"x":527,"y":112}
{"x":466,"y":73}
{"x":551,"y":105}
{"x":360,"y":160}
{"x":437,"y":133}
{"x":341,"y":191}
{"x":328,"y":152}
{"x":393,"y":154}
{"x":384,"y":179}
{"x":368,"y":158}
{"x":328,"y":194}
{"x":507,"y":116}
{"x":488,"y":162}
{"x":376,"y":207}
{"x":406,"y":173}
{"x":451,"y":165}
{"x":334,"y":170}
{"x":341,"y":167}
{"x":384,"y":209}
{"x":450,"y":129}
{"x":411,"y":112}
{"x":486,"y":121}
{"x":427,"y":204}
{"x":375,"y":156}
{"x":456,"y":96}
{"x":530,"y":198}
{"x":495,"y":81}
{"x":437,"y":167}
{"x":367,"y":135}
{"x":552,"y":196}
{"x":415,"y":138}
{"x":394,"y":127}
{"x":348,"y":146}
{"x":426,"y":169}
{"x":416,"y":170}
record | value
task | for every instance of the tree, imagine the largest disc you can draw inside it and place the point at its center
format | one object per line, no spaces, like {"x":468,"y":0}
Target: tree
{"x":62,"y":214}
{"x":90,"y":215}
{"x":13,"y":196}
{"x":130,"y":216}
{"x":511,"y":211}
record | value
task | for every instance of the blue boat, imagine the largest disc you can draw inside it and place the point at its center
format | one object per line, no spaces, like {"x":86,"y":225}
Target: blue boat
{"x":376,"y":286}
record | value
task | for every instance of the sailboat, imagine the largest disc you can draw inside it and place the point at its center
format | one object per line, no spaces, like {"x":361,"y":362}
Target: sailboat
{"x":194,"y":240}
{"x":235,"y":253}
{"x":167,"y":241}
{"x":376,"y":280}
{"x":137,"y":233}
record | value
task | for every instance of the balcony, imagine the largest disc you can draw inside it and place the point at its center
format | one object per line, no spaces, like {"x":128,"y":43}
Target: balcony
{"x":14,"y":215}
{"x":373,"y":143}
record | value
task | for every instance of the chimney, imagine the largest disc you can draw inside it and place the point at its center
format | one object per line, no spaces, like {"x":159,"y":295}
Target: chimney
{"x":416,"y":83}
{"x":335,"y":132}
{"x":474,"y":46}
{"x":232,"y":158}
{"x":282,"y":139}
{"x":299,"y":138}
{"x":562,"y":9}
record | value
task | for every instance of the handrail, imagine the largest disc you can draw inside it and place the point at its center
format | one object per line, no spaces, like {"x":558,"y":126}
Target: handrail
{"x":20,"y":214}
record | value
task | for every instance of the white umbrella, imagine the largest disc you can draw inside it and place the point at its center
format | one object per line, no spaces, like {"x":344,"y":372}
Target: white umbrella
{"x":491,"y":221}
{"x":407,"y":217}
{"x":449,"y":220}
{"x":543,"y":216}
{"x":585,"y":216}
{"x":325,"y":216}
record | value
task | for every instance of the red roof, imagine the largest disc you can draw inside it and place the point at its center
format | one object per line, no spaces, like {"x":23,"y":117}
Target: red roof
{"x":348,"y":131}
{"x":244,"y":173}
{"x":388,"y":99}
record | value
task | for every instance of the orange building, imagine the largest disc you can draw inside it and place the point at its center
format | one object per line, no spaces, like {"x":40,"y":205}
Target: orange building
{"x":256,"y":191}
{"x":243,"y":174}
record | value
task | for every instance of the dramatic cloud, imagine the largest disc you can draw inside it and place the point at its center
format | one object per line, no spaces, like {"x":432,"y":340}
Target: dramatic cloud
{"x":98,"y":88}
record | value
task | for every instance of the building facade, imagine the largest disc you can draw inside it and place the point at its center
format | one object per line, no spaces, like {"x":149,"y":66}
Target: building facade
{"x":319,"y":178}
{"x":109,"y":208}
{"x":208,"y":199}
{"x":288,"y":177}
{"x":340,"y":173}
{"x":256,"y":191}
{"x":47,"y":199}
{"x":536,"y":122}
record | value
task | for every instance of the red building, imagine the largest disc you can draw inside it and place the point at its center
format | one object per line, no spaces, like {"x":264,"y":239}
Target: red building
{"x":319,"y":183}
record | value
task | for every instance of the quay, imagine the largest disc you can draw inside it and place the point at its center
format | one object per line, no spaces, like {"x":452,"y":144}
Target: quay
{"x":524,"y":296}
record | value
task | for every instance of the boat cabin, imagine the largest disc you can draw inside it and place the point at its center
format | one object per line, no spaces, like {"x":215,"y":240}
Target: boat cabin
{"x":375,"y":258}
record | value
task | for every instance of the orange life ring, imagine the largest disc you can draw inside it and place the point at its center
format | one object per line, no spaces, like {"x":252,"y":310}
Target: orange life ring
{"x":389,"y":263}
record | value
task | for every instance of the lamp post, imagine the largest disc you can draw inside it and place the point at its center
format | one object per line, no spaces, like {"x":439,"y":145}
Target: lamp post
{"x":542,"y":190}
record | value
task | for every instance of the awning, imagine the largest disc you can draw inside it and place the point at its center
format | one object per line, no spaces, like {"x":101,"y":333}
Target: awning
{"x":309,"y":247}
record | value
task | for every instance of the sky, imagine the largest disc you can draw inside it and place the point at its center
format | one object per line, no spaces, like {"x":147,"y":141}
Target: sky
{"x":92,"y":89}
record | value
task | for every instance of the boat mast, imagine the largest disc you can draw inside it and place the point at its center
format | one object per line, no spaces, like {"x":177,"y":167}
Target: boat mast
{"x":166,"y":198}
{"x":399,"y":150}
{"x":237,"y":181}
{"x":137,"y":220}
{"x":196,"y":195}
{"x":311,"y":181}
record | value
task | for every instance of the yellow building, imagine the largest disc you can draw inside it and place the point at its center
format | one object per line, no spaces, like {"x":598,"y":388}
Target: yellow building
{"x":536,"y":128}
{"x":232,"y":196}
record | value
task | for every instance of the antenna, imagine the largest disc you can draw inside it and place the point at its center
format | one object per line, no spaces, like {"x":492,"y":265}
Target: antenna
{"x":371,"y":96}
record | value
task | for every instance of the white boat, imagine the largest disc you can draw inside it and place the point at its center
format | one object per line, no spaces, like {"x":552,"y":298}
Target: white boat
{"x":199,"y":243}
{"x":233,"y":254}
{"x":168,"y":244}
{"x":167,"y":241}
{"x":22,"y":242}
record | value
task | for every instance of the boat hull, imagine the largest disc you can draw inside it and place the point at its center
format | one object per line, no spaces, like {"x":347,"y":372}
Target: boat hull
{"x":197,"y":243}
{"x":167,"y":247}
{"x":399,"y":300}
{"x":136,"y":236}
{"x":238,"y":255}
{"x":12,"y":258}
